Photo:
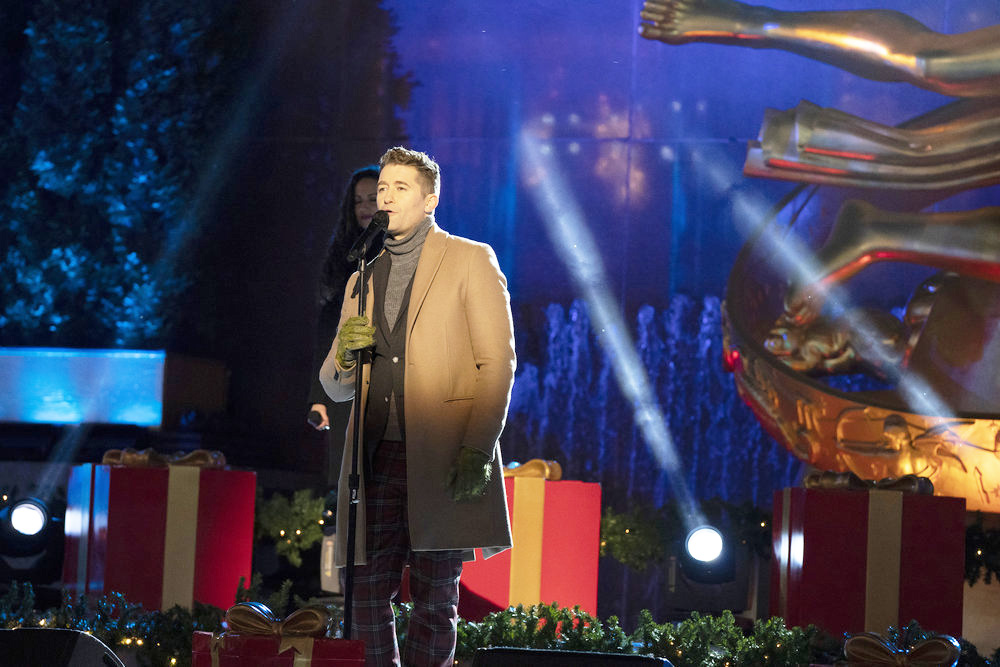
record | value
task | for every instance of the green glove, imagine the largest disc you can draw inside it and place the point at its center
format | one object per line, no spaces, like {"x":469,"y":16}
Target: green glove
{"x":469,"y":474}
{"x":356,"y":334}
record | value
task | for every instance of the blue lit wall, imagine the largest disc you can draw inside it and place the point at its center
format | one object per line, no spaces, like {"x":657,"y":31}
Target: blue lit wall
{"x":66,"y":386}
{"x":634,"y":124}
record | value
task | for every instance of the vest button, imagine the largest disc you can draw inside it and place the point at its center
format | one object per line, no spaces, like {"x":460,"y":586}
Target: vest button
{"x":395,"y":360}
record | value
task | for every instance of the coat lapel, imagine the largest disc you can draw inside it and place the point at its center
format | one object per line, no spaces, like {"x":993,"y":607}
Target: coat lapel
{"x":431,"y":256}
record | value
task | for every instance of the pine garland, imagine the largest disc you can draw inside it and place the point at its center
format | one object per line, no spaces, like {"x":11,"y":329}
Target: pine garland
{"x":163,"y":639}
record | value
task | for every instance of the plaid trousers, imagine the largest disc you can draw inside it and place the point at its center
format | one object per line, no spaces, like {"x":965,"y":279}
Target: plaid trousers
{"x":434,"y":575}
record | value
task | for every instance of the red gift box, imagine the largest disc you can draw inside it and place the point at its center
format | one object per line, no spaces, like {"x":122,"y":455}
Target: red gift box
{"x":241,"y":650}
{"x":556,"y":526}
{"x":852,"y":561}
{"x":159,"y":536}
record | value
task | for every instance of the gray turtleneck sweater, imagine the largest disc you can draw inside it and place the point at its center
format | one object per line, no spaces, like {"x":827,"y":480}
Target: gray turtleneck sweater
{"x":404,"y":255}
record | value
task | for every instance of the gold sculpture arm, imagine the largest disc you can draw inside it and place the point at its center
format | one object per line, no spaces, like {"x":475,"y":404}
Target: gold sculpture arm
{"x":883,"y":45}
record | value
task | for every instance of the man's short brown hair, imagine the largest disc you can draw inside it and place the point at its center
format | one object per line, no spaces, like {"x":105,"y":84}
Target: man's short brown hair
{"x":428,"y":170}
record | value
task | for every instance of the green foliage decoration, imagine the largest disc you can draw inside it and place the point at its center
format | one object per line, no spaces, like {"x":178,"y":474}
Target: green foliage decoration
{"x":162,"y":639}
{"x":292,"y":523}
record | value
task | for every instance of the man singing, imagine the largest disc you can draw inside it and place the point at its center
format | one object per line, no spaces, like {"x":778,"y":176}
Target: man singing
{"x":434,"y":403}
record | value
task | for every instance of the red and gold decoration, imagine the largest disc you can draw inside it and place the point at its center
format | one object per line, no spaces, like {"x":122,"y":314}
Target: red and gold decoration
{"x":556,"y":528}
{"x":163,"y":531}
{"x":850,"y":559}
{"x":256,"y":637}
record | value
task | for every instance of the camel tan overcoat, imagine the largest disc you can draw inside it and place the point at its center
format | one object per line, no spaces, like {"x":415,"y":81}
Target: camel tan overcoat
{"x":459,"y":372}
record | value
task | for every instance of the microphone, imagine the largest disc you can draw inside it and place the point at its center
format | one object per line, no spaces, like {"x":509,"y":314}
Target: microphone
{"x":360,"y":248}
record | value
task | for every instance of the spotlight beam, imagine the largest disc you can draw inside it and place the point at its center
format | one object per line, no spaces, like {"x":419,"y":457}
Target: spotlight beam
{"x":567,"y":230}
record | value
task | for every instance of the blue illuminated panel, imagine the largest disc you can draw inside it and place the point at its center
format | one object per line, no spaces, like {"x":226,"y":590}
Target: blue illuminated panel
{"x":66,"y":386}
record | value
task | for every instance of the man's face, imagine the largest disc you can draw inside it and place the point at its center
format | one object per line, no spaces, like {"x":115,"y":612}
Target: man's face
{"x":400,"y":195}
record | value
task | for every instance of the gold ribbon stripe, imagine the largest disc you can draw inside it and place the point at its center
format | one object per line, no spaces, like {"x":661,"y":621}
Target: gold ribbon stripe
{"x":181,"y":533}
{"x":526,"y":554}
{"x":885,"y":535}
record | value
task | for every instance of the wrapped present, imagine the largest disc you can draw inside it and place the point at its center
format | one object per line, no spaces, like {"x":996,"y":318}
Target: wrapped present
{"x":556,"y":527}
{"x":159,"y":534}
{"x":255,"y":637}
{"x":863,"y":559}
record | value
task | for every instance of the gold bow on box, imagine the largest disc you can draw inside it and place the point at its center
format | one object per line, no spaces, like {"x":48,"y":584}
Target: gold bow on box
{"x":868,"y":648}
{"x":150,"y":458}
{"x":550,"y":470}
{"x":297,"y":631}
{"x":848,"y":480}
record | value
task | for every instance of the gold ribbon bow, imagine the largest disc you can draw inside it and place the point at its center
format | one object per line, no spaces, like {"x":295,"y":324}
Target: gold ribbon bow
{"x":150,"y":458}
{"x":256,"y":618}
{"x":550,"y":470}
{"x":848,"y":480}
{"x":868,"y":648}
{"x":297,"y":631}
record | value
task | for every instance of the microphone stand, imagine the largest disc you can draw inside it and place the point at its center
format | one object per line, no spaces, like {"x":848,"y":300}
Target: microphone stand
{"x":354,"y":480}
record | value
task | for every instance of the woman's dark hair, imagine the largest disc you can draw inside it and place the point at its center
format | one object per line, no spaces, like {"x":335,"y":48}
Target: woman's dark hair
{"x":336,"y":268}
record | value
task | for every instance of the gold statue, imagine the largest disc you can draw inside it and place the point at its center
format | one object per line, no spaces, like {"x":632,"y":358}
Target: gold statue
{"x":950,"y":333}
{"x":877,"y":44}
{"x":966,"y":242}
{"x":817,"y":145}
{"x":823,"y":347}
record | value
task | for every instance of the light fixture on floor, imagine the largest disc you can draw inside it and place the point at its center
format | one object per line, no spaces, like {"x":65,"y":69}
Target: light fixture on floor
{"x":706,"y":557}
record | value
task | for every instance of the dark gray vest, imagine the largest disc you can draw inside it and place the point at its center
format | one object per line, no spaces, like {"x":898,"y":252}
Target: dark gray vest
{"x":388,"y":360}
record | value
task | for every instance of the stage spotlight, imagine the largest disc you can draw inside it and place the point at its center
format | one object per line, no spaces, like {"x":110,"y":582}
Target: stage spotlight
{"x":23,"y":527}
{"x":704,"y":544}
{"x":706,"y":557}
{"x":28,"y":516}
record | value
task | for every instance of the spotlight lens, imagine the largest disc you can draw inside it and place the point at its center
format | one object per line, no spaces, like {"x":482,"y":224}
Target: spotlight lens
{"x":27,"y":517}
{"x":704,"y":544}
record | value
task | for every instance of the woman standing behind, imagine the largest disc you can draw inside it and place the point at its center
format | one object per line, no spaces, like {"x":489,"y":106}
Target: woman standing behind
{"x":357,"y":207}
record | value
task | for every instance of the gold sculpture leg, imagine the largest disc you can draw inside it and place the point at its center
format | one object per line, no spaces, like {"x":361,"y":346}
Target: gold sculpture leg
{"x":883,"y":45}
{"x":966,"y":242}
